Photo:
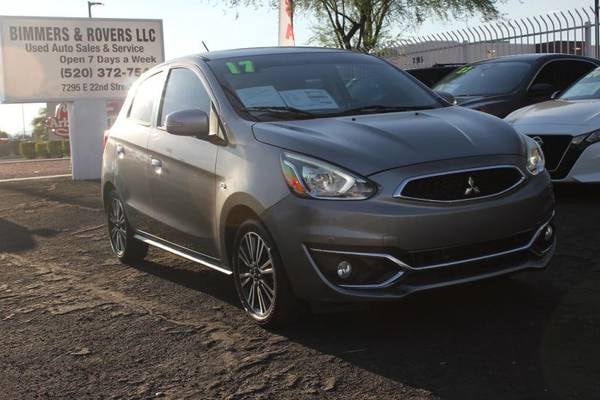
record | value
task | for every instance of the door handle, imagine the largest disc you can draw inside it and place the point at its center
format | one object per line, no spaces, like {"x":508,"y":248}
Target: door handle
{"x":156,"y":165}
{"x":120,"y":150}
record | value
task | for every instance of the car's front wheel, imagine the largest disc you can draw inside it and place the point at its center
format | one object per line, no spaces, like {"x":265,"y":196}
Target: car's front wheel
{"x":124,"y":245}
{"x":260,"y":280}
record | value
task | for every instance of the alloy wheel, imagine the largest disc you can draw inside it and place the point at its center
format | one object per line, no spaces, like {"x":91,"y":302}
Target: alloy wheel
{"x":256,"y":275}
{"x":117,"y":227}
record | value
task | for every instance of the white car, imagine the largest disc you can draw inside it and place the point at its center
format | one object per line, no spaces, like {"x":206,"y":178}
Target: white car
{"x":568,"y":129}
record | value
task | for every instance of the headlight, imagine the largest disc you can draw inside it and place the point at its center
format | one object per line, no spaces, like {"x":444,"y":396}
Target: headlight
{"x":535,"y":157}
{"x":308,"y":177}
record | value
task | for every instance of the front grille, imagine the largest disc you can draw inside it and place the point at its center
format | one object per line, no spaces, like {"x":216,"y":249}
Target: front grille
{"x":419,"y":259}
{"x":554,"y":147}
{"x":462,"y":185}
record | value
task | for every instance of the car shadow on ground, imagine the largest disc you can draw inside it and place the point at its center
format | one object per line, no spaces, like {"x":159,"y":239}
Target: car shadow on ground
{"x":479,"y":341}
{"x":202,"y":280}
{"x":15,"y":238}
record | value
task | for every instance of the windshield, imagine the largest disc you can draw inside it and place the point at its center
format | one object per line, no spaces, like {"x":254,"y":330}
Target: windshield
{"x":313,"y":85}
{"x":587,"y":87}
{"x":487,"y":79}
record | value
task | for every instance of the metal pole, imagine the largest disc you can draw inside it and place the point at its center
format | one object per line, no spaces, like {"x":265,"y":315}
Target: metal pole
{"x":596,"y":30}
{"x":587,"y":34}
{"x":23,"y":118}
{"x":90,"y":5}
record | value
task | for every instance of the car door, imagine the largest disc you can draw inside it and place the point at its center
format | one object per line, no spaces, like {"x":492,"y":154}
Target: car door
{"x":131,"y":141}
{"x":182,"y":169}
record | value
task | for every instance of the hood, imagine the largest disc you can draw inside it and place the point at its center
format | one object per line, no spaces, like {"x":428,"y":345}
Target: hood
{"x":558,"y":112}
{"x":372,"y":143}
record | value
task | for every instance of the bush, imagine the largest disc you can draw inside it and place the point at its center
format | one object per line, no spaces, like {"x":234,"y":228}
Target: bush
{"x":66,"y":147}
{"x":27,"y":149}
{"x":54,"y":148}
{"x":41,"y":150}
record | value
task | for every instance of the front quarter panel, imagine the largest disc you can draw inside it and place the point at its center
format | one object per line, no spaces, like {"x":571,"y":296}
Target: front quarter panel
{"x":248,"y":174}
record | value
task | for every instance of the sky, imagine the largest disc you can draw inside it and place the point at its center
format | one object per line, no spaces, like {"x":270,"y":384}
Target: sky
{"x":189,"y":22}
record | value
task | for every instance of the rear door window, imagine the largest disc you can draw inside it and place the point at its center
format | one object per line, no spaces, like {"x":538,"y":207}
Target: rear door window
{"x":145,"y":98}
{"x":563,"y":73}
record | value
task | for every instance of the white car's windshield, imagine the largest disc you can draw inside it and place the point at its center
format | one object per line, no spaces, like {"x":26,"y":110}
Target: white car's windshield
{"x":311,"y":85}
{"x":587,"y":87}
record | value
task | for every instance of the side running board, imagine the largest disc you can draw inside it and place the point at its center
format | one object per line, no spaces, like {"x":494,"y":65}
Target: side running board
{"x":184,"y":253}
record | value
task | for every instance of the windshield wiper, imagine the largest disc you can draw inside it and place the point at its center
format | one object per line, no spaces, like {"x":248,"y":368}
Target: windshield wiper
{"x":291,"y":111}
{"x":381,"y":108}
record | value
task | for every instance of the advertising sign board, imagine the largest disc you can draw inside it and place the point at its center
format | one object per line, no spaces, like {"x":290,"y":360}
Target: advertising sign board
{"x":46,"y":59}
{"x":57,"y":121}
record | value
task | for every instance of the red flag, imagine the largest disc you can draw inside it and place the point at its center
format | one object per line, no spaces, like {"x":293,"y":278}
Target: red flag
{"x":286,"y":25}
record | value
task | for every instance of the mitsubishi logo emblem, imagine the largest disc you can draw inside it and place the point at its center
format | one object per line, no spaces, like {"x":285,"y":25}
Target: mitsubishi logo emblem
{"x":471,"y":188}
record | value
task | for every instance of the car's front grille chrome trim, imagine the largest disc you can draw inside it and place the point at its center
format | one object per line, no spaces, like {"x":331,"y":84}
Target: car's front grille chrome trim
{"x":405,"y":267}
{"x":398,"y":192}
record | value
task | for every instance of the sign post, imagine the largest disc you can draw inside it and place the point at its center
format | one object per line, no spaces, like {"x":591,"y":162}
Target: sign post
{"x":82,"y":61}
{"x":87,"y":121}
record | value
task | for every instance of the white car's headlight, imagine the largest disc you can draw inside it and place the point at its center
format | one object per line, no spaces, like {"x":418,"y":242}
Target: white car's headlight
{"x":589,"y":138}
{"x":593,"y":137}
{"x":535,"y":157}
{"x":309,"y":177}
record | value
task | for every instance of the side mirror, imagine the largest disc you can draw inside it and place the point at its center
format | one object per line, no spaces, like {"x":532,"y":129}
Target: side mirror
{"x":188,"y":123}
{"x":448,"y":97}
{"x":555,"y":95}
{"x":541,"y":90}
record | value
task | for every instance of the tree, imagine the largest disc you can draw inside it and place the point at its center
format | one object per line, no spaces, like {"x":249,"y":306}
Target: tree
{"x":368,"y":25}
{"x":4,"y":135}
{"x":40,"y":130}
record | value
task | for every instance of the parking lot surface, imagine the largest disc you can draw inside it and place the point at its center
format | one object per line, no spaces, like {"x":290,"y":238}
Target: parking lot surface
{"x":76,"y":323}
{"x":16,"y":169}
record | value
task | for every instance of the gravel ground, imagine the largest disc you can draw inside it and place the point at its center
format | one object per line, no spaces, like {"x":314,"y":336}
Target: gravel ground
{"x":30,"y":168}
{"x":75,"y":323}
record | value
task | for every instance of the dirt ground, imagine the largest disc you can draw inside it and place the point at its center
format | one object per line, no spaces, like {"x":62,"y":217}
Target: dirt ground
{"x":30,"y":168}
{"x":75,"y":323}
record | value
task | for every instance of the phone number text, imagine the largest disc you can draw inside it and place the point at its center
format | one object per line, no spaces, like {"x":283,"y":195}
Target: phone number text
{"x":108,"y":72}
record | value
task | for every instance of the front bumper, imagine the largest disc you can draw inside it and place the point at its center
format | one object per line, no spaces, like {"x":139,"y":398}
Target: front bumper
{"x":393,"y":228}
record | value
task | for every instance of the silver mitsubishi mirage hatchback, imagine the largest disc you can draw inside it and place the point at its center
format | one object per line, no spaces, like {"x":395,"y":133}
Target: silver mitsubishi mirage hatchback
{"x":320,"y":175}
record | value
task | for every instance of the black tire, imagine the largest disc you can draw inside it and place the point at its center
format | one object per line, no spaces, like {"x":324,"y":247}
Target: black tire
{"x":123,"y":244}
{"x":260,"y":277}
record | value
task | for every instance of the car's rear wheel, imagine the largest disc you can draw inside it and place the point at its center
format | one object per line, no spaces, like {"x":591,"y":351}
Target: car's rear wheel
{"x":259,"y":277}
{"x":124,"y":245}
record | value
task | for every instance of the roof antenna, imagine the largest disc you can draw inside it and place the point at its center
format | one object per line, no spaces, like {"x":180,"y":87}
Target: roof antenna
{"x":205,"y":46}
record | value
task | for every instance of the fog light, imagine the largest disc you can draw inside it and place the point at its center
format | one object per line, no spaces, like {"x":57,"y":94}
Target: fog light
{"x":344,"y":269}
{"x":548,"y":232}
